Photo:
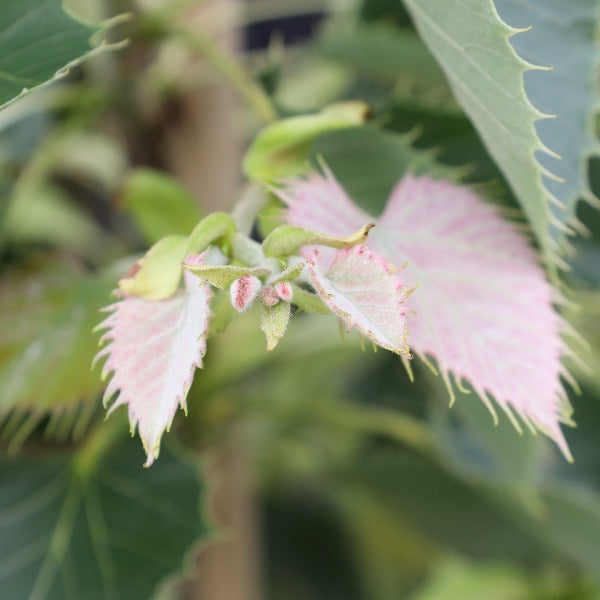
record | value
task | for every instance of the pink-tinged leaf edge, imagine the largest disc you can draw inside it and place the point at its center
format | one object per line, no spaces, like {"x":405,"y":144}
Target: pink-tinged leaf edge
{"x":153,"y":349}
{"x":466,"y":264}
{"x":365,"y":292}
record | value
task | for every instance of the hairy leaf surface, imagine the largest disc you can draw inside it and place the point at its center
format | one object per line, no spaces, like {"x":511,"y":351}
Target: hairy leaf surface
{"x":363,"y":289}
{"x":153,"y":350}
{"x":483,"y":308}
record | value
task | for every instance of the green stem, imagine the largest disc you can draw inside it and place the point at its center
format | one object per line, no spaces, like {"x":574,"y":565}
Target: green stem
{"x":230,"y":69}
{"x":395,"y":425}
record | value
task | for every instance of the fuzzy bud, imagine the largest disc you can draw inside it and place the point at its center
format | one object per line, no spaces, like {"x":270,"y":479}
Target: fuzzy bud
{"x":284,"y":290}
{"x":269,"y":296}
{"x":243,"y":292}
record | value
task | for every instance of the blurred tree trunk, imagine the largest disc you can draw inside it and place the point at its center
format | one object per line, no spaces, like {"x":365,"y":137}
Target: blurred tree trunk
{"x":202,"y":148}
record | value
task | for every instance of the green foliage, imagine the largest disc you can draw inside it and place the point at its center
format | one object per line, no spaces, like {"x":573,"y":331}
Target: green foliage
{"x":368,"y":162}
{"x":158,"y":272}
{"x":39,"y":43}
{"x":159,"y":204}
{"x":47,"y":313}
{"x":287,"y":240}
{"x":471,"y":43}
{"x":564,"y":37}
{"x":92,"y":526}
{"x":281,"y":149}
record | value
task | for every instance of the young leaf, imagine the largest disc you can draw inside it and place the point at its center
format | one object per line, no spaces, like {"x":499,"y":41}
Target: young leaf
{"x":154,"y":348}
{"x":274,"y":320}
{"x":156,"y":275}
{"x":280,"y":149}
{"x":362,"y":288}
{"x":287,"y":240}
{"x":471,"y":44}
{"x":222,"y":276}
{"x":483,"y":308}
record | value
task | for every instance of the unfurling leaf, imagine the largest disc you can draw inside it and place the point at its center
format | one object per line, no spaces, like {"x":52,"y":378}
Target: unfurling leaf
{"x":362,"y":288}
{"x":482,"y":305}
{"x":243,"y":292}
{"x":153,"y":350}
{"x":157,"y":274}
{"x":287,"y":240}
{"x":280,"y":149}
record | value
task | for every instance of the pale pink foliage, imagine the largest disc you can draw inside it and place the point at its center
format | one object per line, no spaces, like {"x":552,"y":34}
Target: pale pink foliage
{"x":153,"y":350}
{"x":363,"y":289}
{"x":482,"y":305}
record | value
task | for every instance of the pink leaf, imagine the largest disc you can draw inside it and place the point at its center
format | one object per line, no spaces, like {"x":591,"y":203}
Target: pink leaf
{"x":363,"y":289}
{"x":482,"y":305}
{"x":153,"y":350}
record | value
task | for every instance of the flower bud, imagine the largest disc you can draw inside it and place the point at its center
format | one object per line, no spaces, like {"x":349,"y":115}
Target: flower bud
{"x":243,"y":291}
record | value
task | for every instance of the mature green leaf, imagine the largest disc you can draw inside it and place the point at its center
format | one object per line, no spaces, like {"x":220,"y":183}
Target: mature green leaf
{"x":368,"y":163}
{"x":391,"y":56}
{"x":47,"y":314}
{"x":159,"y":204}
{"x":109,"y":530}
{"x":41,"y":213}
{"x":39,"y":43}
{"x":471,"y":43}
{"x":563,"y":36}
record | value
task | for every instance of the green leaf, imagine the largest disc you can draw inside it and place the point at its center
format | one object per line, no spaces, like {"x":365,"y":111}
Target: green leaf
{"x":39,"y":43}
{"x":471,"y":44}
{"x":274,"y":321}
{"x":41,"y":213}
{"x":113,"y":531}
{"x":159,"y":204}
{"x":157,"y":274}
{"x":47,"y":313}
{"x":453,"y":579}
{"x":281,"y":149}
{"x":223,"y":276}
{"x":213,"y":227}
{"x":369,"y":162}
{"x":563,"y":36}
{"x":391,"y":56}
{"x":287,"y":240}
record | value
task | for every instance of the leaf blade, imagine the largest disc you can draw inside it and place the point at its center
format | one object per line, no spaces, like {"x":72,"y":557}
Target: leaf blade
{"x":153,"y":373}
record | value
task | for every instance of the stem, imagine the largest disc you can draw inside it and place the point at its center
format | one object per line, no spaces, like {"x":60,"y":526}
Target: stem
{"x":97,"y":444}
{"x":246,"y":209}
{"x":230,"y":69}
{"x":396,"y":425}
